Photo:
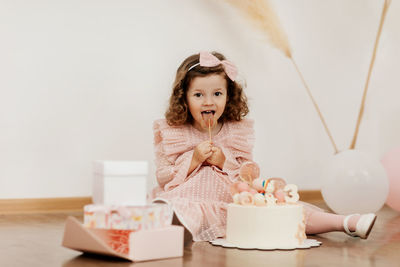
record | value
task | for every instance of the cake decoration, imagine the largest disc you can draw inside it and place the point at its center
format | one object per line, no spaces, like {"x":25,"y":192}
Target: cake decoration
{"x":252,"y":190}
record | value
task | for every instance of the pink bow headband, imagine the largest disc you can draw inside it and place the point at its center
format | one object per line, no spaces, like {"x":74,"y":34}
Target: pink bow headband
{"x":209,"y":60}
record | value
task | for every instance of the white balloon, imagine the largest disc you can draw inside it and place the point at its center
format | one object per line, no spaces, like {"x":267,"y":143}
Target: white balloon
{"x":354,"y":182}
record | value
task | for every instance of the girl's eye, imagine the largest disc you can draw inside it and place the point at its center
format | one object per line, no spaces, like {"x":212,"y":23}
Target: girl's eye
{"x":197,"y":94}
{"x":218,"y":93}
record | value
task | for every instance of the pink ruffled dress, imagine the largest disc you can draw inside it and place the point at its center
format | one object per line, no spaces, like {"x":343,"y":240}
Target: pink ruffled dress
{"x":200,"y":199}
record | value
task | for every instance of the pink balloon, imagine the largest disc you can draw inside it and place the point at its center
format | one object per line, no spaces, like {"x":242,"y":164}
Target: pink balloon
{"x":280,"y":195}
{"x":391,"y":163}
{"x":238,"y":187}
{"x":242,"y":186}
{"x":253,"y":191}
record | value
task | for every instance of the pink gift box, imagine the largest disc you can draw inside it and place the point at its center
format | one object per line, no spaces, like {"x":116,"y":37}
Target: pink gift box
{"x":166,"y":242}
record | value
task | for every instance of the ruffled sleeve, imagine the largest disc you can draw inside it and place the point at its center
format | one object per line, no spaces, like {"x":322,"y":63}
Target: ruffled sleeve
{"x":238,"y":146}
{"x":173,"y":154}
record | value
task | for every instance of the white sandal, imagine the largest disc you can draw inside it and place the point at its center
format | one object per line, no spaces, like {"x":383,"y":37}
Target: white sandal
{"x":363,"y":227}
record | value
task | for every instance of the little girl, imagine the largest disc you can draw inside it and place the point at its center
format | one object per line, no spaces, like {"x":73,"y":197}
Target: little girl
{"x":201,"y":145}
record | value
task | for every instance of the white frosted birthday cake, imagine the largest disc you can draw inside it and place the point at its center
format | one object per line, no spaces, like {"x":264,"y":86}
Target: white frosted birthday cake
{"x":265,"y":214}
{"x":260,"y":221}
{"x":265,"y":227}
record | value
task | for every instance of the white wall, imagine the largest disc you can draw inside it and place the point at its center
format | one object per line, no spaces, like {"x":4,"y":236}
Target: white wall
{"x":83,"y":80}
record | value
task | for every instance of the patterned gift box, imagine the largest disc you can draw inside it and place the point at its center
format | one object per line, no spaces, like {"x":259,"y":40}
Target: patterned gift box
{"x":133,"y":218}
{"x":144,"y":245}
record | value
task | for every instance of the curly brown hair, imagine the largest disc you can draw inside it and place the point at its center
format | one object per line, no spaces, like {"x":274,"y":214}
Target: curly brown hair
{"x":178,"y":111}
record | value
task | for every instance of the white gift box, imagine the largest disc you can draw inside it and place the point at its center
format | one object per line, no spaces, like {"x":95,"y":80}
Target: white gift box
{"x":120,"y":182}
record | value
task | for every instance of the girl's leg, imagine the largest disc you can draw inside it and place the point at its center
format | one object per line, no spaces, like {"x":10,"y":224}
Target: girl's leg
{"x":318,"y":221}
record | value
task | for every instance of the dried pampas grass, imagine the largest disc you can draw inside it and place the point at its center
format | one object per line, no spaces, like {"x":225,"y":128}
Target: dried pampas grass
{"x":371,"y":65}
{"x":261,"y":15}
{"x":264,"y":18}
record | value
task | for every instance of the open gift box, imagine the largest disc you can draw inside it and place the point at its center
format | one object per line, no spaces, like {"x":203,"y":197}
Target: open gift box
{"x":143,"y":245}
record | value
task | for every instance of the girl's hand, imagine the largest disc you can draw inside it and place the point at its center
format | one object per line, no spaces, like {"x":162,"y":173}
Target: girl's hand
{"x":217,"y":157}
{"x":202,"y":152}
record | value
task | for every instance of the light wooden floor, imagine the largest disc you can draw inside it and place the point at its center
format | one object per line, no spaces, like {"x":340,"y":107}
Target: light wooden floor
{"x":35,"y":240}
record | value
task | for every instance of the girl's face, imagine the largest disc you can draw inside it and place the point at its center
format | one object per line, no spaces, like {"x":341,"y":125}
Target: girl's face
{"x":206,"y":98}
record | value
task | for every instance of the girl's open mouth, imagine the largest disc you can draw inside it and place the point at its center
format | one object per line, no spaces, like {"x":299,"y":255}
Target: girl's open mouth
{"x":208,"y":116}
{"x":208,"y":112}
